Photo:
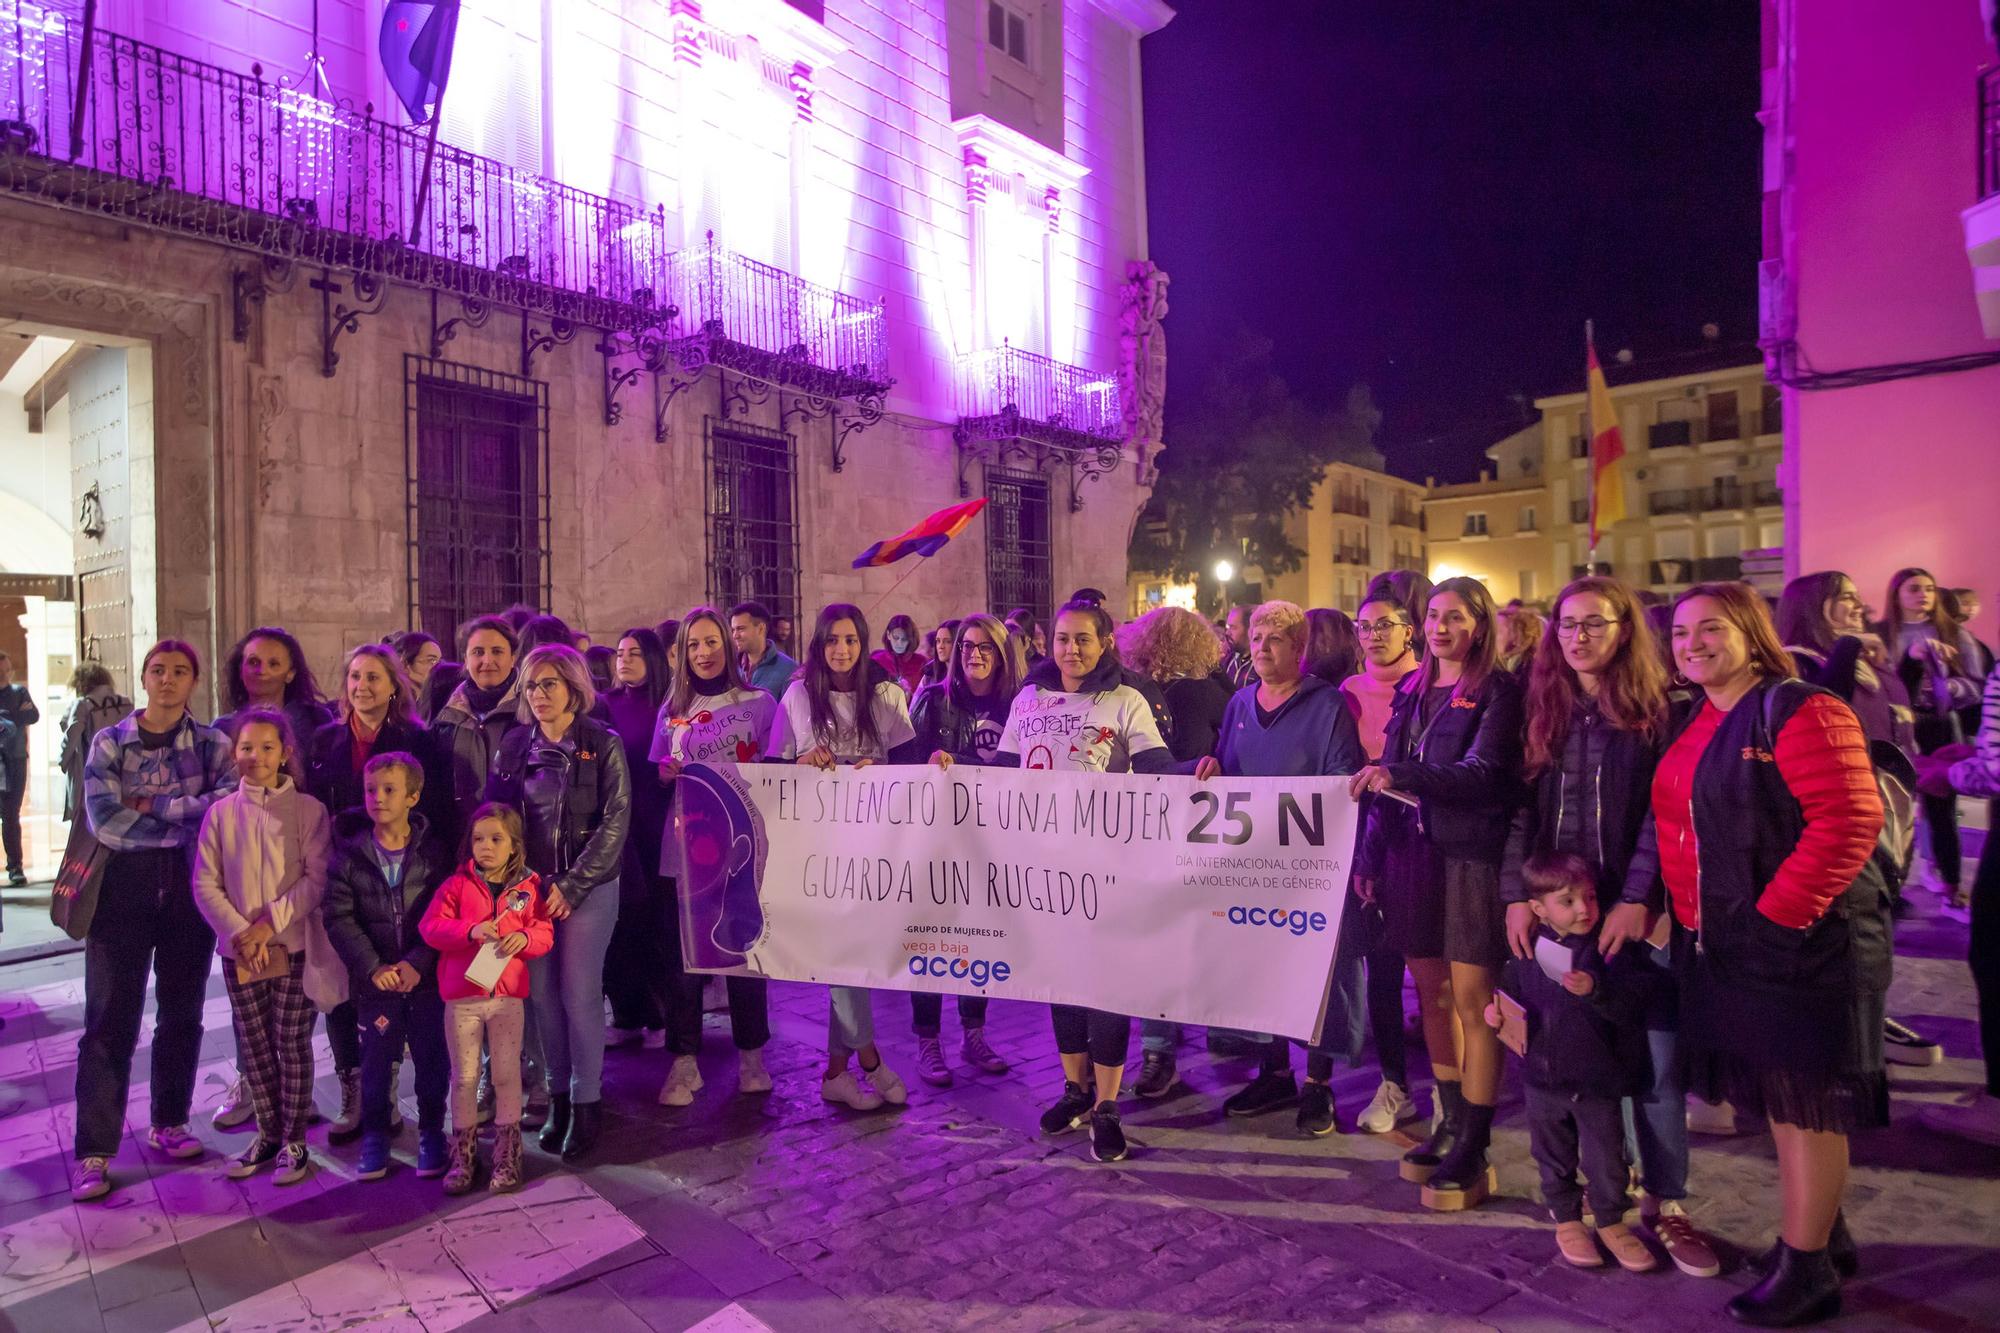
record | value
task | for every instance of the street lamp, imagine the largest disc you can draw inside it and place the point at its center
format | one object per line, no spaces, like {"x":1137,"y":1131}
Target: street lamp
{"x":1224,"y":571}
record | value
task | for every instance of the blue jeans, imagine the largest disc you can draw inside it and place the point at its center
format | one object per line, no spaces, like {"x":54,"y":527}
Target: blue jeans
{"x":567,"y":986}
{"x":1656,"y":1135}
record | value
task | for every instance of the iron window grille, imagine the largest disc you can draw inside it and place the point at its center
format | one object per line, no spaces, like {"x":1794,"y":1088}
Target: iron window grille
{"x":752,"y":512}
{"x":476,"y":479}
{"x":1020,"y":564}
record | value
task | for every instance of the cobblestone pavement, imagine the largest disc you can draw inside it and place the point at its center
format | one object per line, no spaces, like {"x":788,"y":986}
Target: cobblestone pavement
{"x":741,"y":1213}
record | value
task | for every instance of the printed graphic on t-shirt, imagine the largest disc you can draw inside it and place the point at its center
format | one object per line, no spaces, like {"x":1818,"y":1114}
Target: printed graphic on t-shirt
{"x":719,"y":728}
{"x":1094,"y":733}
{"x":986,"y":737}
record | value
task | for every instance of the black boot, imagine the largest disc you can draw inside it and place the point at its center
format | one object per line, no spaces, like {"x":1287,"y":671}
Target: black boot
{"x":557,"y":1125}
{"x":1420,"y":1161}
{"x":1802,"y":1288}
{"x":1840,"y":1248}
{"x":586,"y":1123}
{"x":1463,"y":1178}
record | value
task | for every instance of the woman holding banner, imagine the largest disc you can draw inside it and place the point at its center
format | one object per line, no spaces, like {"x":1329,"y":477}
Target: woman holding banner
{"x":958,"y":720}
{"x":710,"y":715}
{"x":1082,"y":712}
{"x":822,"y":721}
{"x":1597,"y":719}
{"x":1454,"y":745}
{"x":1288,"y":724}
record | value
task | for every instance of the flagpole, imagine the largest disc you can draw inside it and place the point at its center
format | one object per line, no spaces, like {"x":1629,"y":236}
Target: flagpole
{"x":876,"y":605}
{"x":431,"y":143}
{"x":1590,"y":441}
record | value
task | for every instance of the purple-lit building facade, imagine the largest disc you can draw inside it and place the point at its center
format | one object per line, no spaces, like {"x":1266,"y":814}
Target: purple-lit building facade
{"x":1881,"y":285}
{"x":706,"y":295}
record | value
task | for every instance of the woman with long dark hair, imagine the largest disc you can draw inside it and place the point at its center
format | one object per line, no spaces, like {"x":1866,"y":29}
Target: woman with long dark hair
{"x":420,"y":655}
{"x":712,"y":713}
{"x":268,"y":669}
{"x":944,"y":643}
{"x":1454,"y":746}
{"x":637,"y":957}
{"x":1080,"y":710}
{"x":958,"y":721}
{"x":147,"y":784}
{"x":1333,"y":650}
{"x":1935,"y":659}
{"x":1597,"y":718}
{"x":1766,"y":818}
{"x":845,"y":708}
{"x":902,"y":655}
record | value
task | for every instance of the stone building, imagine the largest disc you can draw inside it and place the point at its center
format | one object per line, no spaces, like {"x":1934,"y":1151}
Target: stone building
{"x":699,"y":300}
{"x":1701,"y":491}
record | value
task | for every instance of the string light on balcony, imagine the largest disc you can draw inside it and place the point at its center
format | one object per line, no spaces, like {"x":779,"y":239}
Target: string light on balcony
{"x":25,"y":30}
{"x":310,"y":124}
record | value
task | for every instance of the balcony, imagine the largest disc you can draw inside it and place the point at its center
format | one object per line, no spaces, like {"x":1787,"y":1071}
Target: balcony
{"x":1764,"y":493}
{"x":1022,"y":406}
{"x":1579,"y":511}
{"x":1352,"y":555}
{"x":1669,"y":434}
{"x":774,"y":326}
{"x":1406,"y":516}
{"x":1356,"y":505}
{"x":187,"y":147}
{"x":1670,"y":502}
{"x":1579,"y":446}
{"x":1679,"y":573}
{"x":1982,"y":220}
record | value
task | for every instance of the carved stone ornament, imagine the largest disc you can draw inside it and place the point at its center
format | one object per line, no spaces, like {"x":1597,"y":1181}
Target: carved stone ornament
{"x":1142,"y":347}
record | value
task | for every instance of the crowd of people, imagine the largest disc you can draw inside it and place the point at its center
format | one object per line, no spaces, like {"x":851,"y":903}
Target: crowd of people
{"x":1652,"y":849}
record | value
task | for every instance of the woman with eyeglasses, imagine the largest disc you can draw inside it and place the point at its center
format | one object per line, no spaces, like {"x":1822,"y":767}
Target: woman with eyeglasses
{"x":1388,"y":656}
{"x":565,"y":772}
{"x":1454,"y":745}
{"x":1597,"y":716}
{"x":958,"y":720}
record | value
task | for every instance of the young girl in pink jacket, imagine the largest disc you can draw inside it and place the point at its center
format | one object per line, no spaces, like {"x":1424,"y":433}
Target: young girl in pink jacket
{"x":492,"y":899}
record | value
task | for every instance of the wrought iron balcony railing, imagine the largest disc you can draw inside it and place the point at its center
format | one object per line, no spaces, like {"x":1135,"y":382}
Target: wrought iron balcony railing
{"x":140,"y":133}
{"x":1015,"y":404}
{"x":764,"y":322}
{"x":1989,"y":133}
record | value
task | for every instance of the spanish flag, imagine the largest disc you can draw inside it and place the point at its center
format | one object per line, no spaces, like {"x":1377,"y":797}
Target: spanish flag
{"x":927,"y":538}
{"x":1607,"y":448}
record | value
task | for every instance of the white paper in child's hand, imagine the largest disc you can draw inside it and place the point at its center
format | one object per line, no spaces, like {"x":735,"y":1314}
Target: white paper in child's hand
{"x":1556,"y":958}
{"x":486,"y":967}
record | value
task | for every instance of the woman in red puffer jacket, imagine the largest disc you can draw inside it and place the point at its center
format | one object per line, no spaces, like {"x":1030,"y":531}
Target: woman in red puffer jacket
{"x":1765,"y":815}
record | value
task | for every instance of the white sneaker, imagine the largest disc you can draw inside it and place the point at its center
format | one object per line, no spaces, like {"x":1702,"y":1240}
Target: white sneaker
{"x":1390,"y":1108}
{"x":655,"y":1039}
{"x":847,"y":1090}
{"x":235,"y":1108}
{"x":174,"y":1141}
{"x":683,"y":1082}
{"x":751,"y":1076}
{"x":1977,"y":1119}
{"x":889,"y":1083}
{"x":1717,"y":1118}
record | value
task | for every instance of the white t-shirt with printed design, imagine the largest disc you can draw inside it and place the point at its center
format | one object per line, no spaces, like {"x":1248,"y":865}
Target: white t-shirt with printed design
{"x":792,"y":734}
{"x":1088,"y":733}
{"x":732,"y":726}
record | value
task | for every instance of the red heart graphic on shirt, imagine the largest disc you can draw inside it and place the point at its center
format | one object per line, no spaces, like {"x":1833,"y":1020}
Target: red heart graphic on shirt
{"x":745,"y":752}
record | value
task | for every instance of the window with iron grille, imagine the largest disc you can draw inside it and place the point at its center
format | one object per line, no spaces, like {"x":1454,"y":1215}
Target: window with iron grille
{"x":753,"y":527}
{"x":1020,"y":567}
{"x":476,"y":482}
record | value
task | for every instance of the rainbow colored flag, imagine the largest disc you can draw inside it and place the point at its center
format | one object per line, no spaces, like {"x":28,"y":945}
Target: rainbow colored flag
{"x":927,"y":538}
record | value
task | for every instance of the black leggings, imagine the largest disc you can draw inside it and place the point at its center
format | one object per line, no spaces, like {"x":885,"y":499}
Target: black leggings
{"x":1384,"y":1003}
{"x":678,"y":992}
{"x":1105,"y":1037}
{"x":1941,"y":813}
{"x":1984,"y":954}
{"x":927,"y":1012}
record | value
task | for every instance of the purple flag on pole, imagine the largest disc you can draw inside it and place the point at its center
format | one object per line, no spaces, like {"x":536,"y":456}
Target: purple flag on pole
{"x":416,"y":52}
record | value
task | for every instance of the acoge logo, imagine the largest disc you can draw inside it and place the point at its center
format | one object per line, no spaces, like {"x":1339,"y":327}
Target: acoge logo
{"x":1295,"y":919}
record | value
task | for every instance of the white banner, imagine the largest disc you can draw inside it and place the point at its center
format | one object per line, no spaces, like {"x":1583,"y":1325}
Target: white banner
{"x":1204,"y":902}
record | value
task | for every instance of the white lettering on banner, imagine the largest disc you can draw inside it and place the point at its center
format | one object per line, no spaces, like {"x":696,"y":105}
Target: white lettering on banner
{"x":1204,"y":902}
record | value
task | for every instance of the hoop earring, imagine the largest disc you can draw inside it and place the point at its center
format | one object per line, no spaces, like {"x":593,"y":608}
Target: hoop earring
{"x":1680,"y":682}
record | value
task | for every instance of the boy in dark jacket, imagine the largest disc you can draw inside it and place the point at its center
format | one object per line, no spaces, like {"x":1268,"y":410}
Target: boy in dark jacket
{"x":1585,"y":1049}
{"x":382,"y":879}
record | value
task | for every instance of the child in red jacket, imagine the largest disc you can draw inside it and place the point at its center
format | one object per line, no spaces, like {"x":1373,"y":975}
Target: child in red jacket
{"x":493,"y":899}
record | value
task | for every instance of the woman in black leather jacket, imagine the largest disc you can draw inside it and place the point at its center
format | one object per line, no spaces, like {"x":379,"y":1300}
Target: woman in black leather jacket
{"x":959,"y":720}
{"x":565,"y":771}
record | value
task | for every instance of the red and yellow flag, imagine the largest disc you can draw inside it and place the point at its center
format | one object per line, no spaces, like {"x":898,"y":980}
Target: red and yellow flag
{"x":1607,"y":450}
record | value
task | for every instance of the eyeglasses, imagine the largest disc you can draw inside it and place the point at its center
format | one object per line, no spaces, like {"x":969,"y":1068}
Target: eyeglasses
{"x":977,"y":650}
{"x":1590,"y":627}
{"x":1371,"y":628}
{"x":546,"y":685}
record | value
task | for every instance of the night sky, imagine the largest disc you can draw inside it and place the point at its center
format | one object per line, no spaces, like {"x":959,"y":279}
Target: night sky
{"x":1432,"y":197}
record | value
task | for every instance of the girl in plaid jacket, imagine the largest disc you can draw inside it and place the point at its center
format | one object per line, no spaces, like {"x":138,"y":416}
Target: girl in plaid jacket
{"x":259,"y":874}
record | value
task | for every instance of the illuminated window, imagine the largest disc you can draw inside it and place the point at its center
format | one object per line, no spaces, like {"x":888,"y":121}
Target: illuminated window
{"x":1017,"y":265}
{"x":1007,"y":31}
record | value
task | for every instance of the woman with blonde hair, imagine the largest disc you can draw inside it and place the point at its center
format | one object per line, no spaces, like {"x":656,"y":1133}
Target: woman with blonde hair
{"x":1174,"y":647}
